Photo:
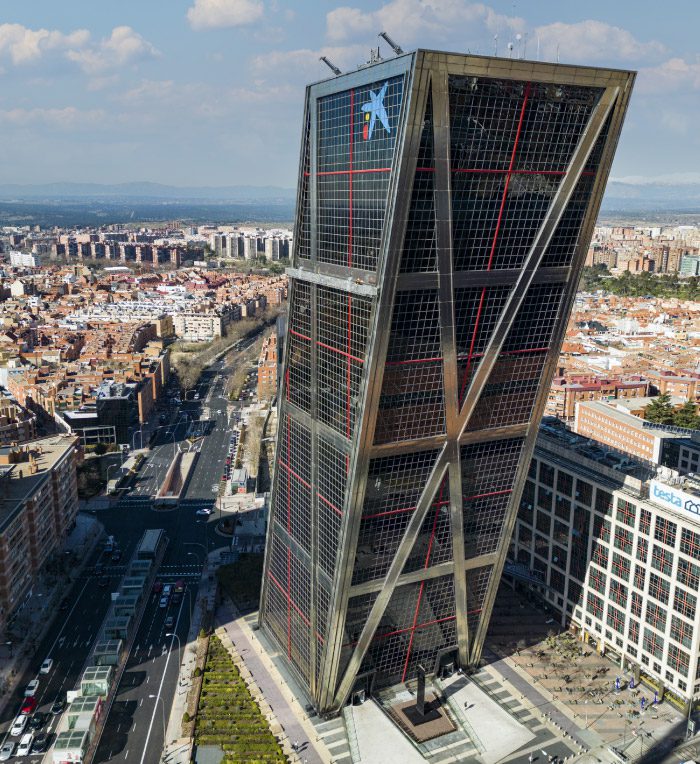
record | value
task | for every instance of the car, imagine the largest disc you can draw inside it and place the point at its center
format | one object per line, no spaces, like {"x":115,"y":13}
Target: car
{"x":116,"y":555}
{"x":7,"y":750}
{"x":164,"y":602}
{"x":28,"y":706}
{"x":196,"y":396}
{"x":170,"y":622}
{"x":179,"y":586}
{"x":167,"y":590}
{"x":204,"y":511}
{"x":37,"y":721}
{"x":176,"y":599}
{"x":31,"y":688}
{"x":99,"y":569}
{"x":157,"y":587}
{"x":46,"y":666}
{"x":58,"y":706}
{"x":18,"y":725}
{"x":41,"y":743}
{"x":25,"y":744}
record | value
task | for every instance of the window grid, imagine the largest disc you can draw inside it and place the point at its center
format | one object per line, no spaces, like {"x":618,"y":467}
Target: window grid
{"x":690,"y":543}
{"x":665,"y":531}
{"x":659,"y":588}
{"x":653,"y":643}
{"x":685,"y":603}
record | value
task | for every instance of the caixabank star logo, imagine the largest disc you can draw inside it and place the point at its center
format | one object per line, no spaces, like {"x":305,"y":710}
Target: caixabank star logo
{"x":375,"y":110}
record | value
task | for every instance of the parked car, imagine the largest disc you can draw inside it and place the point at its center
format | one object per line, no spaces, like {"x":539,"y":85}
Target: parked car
{"x":41,"y":743}
{"x":28,"y":706}
{"x":7,"y":750}
{"x":18,"y":725}
{"x":37,"y":721}
{"x":31,"y":688}
{"x":58,"y":706}
{"x":46,"y":666}
{"x":25,"y":744}
{"x":205,"y":511}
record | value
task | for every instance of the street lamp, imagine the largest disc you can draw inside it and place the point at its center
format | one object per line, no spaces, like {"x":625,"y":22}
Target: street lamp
{"x":133,"y":438}
{"x":162,"y":710}
{"x":8,"y":644}
{"x":112,"y":466}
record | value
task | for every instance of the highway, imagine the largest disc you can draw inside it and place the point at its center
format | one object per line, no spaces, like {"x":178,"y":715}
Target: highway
{"x":134,"y":731}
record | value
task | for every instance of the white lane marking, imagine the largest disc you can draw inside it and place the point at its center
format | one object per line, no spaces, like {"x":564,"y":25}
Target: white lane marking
{"x":162,"y":679}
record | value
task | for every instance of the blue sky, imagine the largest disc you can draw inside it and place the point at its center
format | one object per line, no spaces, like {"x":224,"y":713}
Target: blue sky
{"x":210,"y":92}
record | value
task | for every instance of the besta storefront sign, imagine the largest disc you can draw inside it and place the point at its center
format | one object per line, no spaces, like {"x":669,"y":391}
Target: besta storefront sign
{"x":668,"y":496}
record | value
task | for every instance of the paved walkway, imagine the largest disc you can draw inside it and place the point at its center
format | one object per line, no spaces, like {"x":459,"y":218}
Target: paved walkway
{"x":495,"y":729}
{"x":585,"y":738}
{"x":265,"y":675}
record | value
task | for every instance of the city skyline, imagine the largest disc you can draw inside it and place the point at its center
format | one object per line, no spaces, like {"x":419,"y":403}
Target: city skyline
{"x":195,"y":92}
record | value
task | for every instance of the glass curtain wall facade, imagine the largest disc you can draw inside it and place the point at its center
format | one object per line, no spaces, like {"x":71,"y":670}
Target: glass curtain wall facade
{"x":445,"y":205}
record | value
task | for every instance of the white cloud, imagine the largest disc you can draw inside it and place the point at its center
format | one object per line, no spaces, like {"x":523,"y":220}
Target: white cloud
{"x":674,"y":74}
{"x":124,"y":46}
{"x":592,"y":41}
{"x":672,"y":178}
{"x":210,"y":14}
{"x":411,"y":21}
{"x":67,"y":118}
{"x":23,"y":45}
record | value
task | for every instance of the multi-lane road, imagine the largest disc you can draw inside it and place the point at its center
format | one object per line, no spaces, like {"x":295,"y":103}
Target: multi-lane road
{"x":134,"y":730}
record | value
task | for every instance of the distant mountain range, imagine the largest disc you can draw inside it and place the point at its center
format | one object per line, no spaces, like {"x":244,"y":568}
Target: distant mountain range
{"x":145,"y":190}
{"x":619,"y":196}
{"x":647,"y":197}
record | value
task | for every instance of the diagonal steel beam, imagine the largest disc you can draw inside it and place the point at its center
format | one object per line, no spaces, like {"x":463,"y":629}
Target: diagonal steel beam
{"x":534,"y":256}
{"x":397,"y":565}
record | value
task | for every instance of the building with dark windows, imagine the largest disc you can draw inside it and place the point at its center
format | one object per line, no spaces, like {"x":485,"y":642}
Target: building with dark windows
{"x":445,"y":206}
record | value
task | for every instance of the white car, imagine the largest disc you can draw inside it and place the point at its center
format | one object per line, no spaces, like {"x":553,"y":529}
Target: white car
{"x":31,"y":688}
{"x":205,"y":510}
{"x":46,"y":666}
{"x":18,"y":725}
{"x":25,"y":744}
{"x":7,"y":750}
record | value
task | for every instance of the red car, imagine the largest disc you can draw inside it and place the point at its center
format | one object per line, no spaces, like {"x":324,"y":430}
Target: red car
{"x":158,"y":587}
{"x":28,"y":705}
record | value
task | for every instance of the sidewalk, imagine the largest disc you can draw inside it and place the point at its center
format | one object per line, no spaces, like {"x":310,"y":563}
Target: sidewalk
{"x":44,"y":598}
{"x":178,"y":749}
{"x":287,"y":711}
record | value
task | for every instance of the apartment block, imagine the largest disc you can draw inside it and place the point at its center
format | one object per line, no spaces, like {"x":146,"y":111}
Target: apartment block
{"x":40,"y":503}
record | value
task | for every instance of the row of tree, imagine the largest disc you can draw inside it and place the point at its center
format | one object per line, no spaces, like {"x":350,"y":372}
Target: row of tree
{"x":661,"y":411}
{"x":644,"y":284}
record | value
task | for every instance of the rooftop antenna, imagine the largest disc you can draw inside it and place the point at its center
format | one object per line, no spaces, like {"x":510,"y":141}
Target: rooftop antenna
{"x":518,"y":39}
{"x":510,"y":50}
{"x":330,"y":65}
{"x":396,"y":48}
{"x":495,"y":45}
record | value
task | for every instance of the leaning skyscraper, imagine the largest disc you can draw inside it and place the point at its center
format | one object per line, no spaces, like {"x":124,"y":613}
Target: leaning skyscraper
{"x":444,"y":209}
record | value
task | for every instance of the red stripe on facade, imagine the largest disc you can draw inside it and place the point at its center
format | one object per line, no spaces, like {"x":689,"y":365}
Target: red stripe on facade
{"x":300,"y":335}
{"x":413,"y":360}
{"x":475,"y":171}
{"x":509,"y":173}
{"x":332,"y":506}
{"x":487,"y":495}
{"x":472,"y":343}
{"x":354,"y":172}
{"x":399,"y":511}
{"x":340,"y":352}
{"x":290,"y":601}
{"x":290,"y":471}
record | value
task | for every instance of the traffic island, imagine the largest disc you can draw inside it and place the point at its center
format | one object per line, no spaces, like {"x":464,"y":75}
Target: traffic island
{"x":176,"y":479}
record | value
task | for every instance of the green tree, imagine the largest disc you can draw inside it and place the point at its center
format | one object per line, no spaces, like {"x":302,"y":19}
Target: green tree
{"x":687,"y":416}
{"x":660,"y":410}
